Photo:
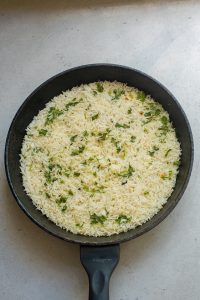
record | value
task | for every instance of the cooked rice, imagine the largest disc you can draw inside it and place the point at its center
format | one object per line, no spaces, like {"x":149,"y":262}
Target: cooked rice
{"x":100,"y":159}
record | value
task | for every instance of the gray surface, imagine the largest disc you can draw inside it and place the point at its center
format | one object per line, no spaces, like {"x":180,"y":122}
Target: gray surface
{"x":41,"y":38}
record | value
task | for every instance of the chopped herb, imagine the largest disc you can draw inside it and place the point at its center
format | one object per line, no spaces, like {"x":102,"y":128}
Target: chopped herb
{"x":165,"y":176}
{"x":133,"y":138}
{"x":124,"y":182}
{"x":99,"y":87}
{"x":37,"y":149}
{"x":147,"y":114}
{"x":94,"y":93}
{"x":85,"y":133}
{"x":63,"y":209}
{"x":118,"y":125}
{"x":176,"y":163}
{"x":70,"y":193}
{"x":117,"y":145}
{"x":94,"y":173}
{"x":52,"y":114}
{"x":117,"y":94}
{"x":95,"y":219}
{"x":89,"y":105}
{"x":146,"y":193}
{"x":167,"y":152}
{"x":150,"y":115}
{"x":164,"y":120}
{"x":123,"y":219}
{"x":72,"y":138}
{"x":61,"y":200}
{"x":97,"y":189}
{"x":141,"y":96}
{"x":96,"y":116}
{"x":146,"y":130}
{"x":62,"y":182}
{"x":74,"y":102}
{"x":79,"y":225}
{"x":127,"y":173}
{"x":43,"y":132}
{"x":129,"y":111}
{"x":152,"y":152}
{"x":78,"y":151}
{"x":77,"y":174}
{"x":103,"y":135}
{"x":47,"y":195}
{"x":164,"y":128}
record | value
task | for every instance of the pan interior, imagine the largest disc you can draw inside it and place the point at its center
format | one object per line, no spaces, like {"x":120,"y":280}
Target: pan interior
{"x":66,"y":80}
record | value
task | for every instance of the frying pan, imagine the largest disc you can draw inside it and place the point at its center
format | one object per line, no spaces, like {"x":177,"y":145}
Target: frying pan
{"x":99,"y":255}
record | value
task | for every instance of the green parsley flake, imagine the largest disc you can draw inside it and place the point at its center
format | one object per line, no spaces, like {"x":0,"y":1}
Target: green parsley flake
{"x":133,"y":138}
{"x":117,"y":94}
{"x":99,"y":87}
{"x":123,"y":219}
{"x":78,"y":151}
{"x":154,"y":149}
{"x":95,"y":219}
{"x":167,"y":152}
{"x":72,"y":103}
{"x":141,"y":96}
{"x":52,"y":114}
{"x":127,"y":173}
{"x":118,"y":125}
{"x":96,"y":116}
{"x":43,"y":132}
{"x":129,"y":111}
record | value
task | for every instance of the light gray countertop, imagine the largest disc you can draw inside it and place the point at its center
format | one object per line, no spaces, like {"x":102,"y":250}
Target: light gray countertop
{"x":41,"y":38}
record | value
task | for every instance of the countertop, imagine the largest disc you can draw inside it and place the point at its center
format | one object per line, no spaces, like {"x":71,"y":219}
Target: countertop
{"x":41,"y":38}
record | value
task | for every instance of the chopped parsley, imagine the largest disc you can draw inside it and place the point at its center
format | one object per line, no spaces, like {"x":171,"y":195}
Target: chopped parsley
{"x":165,"y":125}
{"x":70,"y":193}
{"x":77,"y":174}
{"x":165,"y":176}
{"x":93,"y":190}
{"x":117,"y":94}
{"x":85,"y":133}
{"x":78,"y":151}
{"x":99,"y":87}
{"x":146,"y":193}
{"x":133,"y":138}
{"x":61,"y":200}
{"x":123,"y":219}
{"x":129,"y":111}
{"x":72,"y":103}
{"x":47,"y":195}
{"x":96,"y":116}
{"x":176,"y":163}
{"x":118,"y":125}
{"x":43,"y":132}
{"x":167,"y":152}
{"x":127,"y":173}
{"x":152,"y":152}
{"x":52,"y":114}
{"x":141,"y":96}
{"x":72,"y":138}
{"x":117,"y":144}
{"x":95,"y":219}
{"x":103,"y":135}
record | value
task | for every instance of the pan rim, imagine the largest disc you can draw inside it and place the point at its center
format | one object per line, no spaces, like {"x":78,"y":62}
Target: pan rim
{"x":121,"y":236}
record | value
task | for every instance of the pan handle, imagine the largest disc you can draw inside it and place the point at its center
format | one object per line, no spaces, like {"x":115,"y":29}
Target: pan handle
{"x":99,"y":263}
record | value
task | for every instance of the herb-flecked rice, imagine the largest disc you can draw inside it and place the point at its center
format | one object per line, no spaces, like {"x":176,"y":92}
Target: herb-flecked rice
{"x":100,"y":159}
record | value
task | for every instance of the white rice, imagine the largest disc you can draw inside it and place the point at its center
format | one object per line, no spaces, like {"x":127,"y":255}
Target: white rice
{"x":100,"y":159}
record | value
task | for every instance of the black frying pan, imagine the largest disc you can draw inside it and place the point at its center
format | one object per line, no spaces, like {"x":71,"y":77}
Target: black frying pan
{"x":99,"y":255}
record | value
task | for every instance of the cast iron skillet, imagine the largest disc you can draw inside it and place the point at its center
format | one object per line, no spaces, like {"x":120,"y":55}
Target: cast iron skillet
{"x":99,"y":255}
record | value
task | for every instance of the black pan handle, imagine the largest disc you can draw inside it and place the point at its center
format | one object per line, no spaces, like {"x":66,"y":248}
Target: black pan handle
{"x":99,"y":263}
